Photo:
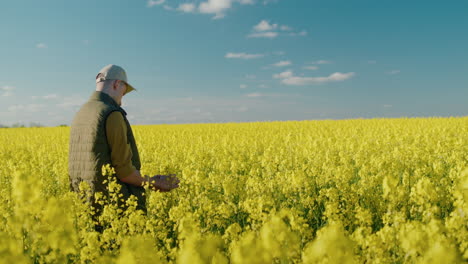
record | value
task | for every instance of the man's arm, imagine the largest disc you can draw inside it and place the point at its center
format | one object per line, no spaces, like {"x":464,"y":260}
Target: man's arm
{"x":134,"y":179}
{"x":163,"y":183}
{"x":121,"y":156}
{"x":121,"y":151}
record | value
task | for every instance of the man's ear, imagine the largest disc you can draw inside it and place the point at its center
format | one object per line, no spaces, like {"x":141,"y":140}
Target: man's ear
{"x":115,"y":85}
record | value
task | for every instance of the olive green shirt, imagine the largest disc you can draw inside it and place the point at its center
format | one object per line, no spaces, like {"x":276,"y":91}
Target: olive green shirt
{"x":121,"y":152}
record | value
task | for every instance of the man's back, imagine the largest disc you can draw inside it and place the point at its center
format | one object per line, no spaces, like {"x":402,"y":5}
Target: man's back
{"x":89,"y":149}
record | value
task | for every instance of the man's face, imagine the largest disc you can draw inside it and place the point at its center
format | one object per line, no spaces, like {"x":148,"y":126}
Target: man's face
{"x":120,"y":89}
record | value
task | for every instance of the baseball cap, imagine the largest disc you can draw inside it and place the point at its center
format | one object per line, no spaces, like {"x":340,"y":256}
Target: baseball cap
{"x":114,"y":72}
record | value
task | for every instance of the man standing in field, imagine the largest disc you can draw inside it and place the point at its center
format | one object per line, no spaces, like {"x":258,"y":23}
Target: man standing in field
{"x":101,"y":134}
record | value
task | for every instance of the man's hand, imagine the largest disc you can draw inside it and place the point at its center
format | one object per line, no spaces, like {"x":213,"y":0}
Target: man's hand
{"x":164,"y":183}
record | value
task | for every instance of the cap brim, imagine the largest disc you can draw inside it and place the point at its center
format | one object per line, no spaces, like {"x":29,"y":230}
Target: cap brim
{"x":129,"y":88}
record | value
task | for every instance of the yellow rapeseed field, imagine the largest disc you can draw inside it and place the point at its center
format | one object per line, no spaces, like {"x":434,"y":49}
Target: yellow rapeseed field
{"x":350,"y":191}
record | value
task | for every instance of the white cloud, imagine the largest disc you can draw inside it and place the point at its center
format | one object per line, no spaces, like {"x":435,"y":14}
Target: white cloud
{"x":372,"y":62}
{"x":26,"y":108}
{"x":283,"y":75}
{"x":282,"y":63}
{"x":187,"y":7}
{"x":41,"y":46}
{"x":243,"y":55}
{"x":50,"y":96}
{"x":288,"y":78}
{"x":265,"y":25}
{"x":269,"y":35}
{"x":7,"y":91}
{"x":219,"y":16}
{"x":263,"y":86}
{"x":8,"y":88}
{"x":312,"y":68}
{"x":15,"y":108}
{"x":71,"y":102}
{"x":86,"y":42}
{"x":387,"y":106}
{"x":393,"y":72}
{"x":243,"y":86}
{"x":321,"y":62}
{"x":250,"y":76}
{"x":46,"y":97}
{"x":241,"y":109}
{"x":303,"y":33}
{"x":256,"y":95}
{"x":217,"y":7}
{"x":152,"y":3}
{"x":265,"y":29}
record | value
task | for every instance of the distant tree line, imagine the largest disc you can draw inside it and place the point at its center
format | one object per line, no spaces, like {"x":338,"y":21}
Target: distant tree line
{"x":32,"y":124}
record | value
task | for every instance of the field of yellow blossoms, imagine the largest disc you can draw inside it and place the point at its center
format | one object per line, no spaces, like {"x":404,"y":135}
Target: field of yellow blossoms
{"x":349,"y":191}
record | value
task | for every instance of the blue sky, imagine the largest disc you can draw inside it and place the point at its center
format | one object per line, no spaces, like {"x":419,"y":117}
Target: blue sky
{"x":196,"y":61}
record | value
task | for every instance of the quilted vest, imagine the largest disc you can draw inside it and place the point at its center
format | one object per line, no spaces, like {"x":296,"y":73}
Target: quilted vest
{"x":89,"y":150}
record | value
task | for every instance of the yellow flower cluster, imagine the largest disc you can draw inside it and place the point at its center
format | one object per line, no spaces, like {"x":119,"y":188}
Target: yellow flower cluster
{"x":349,"y":191}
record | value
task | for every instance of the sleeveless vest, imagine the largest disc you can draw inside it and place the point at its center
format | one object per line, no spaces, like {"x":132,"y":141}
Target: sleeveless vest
{"x":89,"y":150}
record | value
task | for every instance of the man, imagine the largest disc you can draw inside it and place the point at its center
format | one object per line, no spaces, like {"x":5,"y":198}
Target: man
{"x":100,"y":134}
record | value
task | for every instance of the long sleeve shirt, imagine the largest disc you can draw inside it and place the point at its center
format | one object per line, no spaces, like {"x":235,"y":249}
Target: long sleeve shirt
{"x":121,"y":152}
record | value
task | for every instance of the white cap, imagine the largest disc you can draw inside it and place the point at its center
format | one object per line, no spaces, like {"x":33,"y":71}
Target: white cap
{"x":114,"y":72}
